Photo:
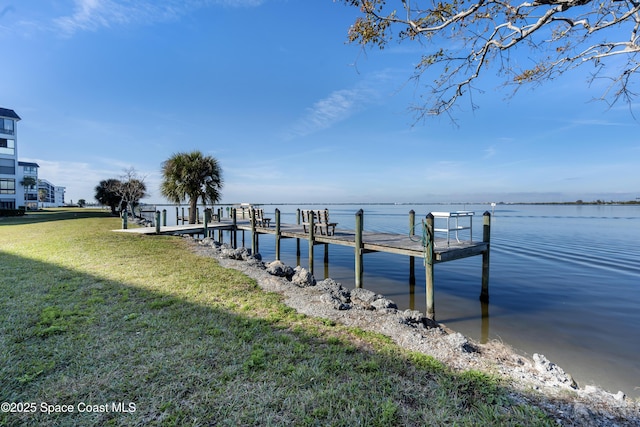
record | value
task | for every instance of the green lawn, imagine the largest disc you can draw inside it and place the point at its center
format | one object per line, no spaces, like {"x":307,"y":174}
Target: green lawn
{"x":141,"y":331}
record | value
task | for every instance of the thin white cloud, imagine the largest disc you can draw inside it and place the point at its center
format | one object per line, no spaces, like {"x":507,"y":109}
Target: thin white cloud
{"x":92,"y":15}
{"x":490,"y":152}
{"x":339,"y":106}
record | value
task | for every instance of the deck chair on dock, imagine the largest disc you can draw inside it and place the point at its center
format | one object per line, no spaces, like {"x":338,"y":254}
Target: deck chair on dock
{"x":260,"y":219}
{"x":320,"y":221}
{"x":324,"y":225}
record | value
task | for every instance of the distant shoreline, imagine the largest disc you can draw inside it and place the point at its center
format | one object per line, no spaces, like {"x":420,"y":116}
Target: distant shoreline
{"x":576,"y":203}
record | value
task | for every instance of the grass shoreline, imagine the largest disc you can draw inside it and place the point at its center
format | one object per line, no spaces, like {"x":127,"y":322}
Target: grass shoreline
{"x":95,"y":322}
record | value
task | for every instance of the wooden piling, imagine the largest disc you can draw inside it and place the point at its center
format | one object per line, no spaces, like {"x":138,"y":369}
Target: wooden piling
{"x":412,"y":259}
{"x":298,"y":240}
{"x":277,"y":234}
{"x":359,"y":268}
{"x":177,"y":216}
{"x":164,"y":217}
{"x":486,"y":238}
{"x":326,"y":260}
{"x":311,"y":239}
{"x":158,"y":222}
{"x":254,"y":236}
{"x":207,"y":217}
{"x":234,"y":233}
{"x":428,"y":266}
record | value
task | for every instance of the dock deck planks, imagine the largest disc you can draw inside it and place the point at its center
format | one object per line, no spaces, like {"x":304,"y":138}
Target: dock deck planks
{"x":403,"y":244}
{"x":400,"y":244}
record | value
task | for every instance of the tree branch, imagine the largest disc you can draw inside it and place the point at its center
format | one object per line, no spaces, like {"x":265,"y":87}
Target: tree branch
{"x":559,"y":34}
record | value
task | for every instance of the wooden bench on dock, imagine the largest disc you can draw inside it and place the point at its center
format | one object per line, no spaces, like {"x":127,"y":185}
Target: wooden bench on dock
{"x":260,"y":219}
{"x":320,"y":221}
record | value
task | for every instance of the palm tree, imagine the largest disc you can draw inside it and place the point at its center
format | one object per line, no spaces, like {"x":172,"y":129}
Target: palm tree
{"x":193,"y":176}
{"x":106,"y":194}
{"x":28,"y":182}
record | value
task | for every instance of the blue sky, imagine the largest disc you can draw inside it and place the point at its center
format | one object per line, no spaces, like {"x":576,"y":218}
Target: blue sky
{"x":291,"y":111}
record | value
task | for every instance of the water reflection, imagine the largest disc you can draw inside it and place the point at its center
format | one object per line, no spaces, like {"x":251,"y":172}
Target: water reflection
{"x":564,"y":282}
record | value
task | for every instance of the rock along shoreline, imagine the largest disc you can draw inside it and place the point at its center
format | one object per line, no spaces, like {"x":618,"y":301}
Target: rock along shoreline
{"x":534,"y":380}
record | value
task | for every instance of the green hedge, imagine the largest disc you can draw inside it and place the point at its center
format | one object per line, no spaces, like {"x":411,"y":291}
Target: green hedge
{"x":12,"y":212}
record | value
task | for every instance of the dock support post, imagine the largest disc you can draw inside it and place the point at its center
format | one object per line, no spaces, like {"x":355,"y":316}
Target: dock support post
{"x":358,"y":248}
{"x":277,"y":234}
{"x":311,"y":239}
{"x":125,"y":219}
{"x":207,"y":217}
{"x":177,"y":216}
{"x":234,"y":243}
{"x":158,"y":222}
{"x":254,"y":235}
{"x":326,"y":261}
{"x":183,"y":215}
{"x":298,"y":240}
{"x":164,"y":217}
{"x":428,"y":266}
{"x":486,"y":237}
{"x":412,"y":259}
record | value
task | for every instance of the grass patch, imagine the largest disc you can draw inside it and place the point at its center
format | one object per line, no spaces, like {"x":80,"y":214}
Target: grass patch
{"x":98,"y":317}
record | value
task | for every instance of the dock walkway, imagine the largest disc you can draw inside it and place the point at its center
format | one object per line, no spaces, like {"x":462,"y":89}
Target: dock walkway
{"x":402,"y":244}
{"x":432,"y":249}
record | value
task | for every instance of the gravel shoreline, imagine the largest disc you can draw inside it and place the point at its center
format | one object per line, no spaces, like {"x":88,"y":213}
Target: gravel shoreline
{"x":535,"y":380}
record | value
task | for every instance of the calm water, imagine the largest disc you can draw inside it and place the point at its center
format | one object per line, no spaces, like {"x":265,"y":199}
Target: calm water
{"x":564,"y":281}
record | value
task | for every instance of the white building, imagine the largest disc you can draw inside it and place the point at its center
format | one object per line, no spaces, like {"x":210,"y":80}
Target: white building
{"x":49,"y":194}
{"x":14,"y":191}
{"x":29,"y":170}
{"x":11,"y":193}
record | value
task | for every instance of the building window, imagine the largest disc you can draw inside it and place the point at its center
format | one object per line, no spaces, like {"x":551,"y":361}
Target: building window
{"x":7,"y":166}
{"x":7,"y":186}
{"x":7,"y":126}
{"x":7,"y":204}
{"x":7,"y":146}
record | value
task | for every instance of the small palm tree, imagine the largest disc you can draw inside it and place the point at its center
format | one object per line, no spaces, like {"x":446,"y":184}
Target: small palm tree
{"x":106,"y":194}
{"x":193,"y":176}
{"x":28,"y":182}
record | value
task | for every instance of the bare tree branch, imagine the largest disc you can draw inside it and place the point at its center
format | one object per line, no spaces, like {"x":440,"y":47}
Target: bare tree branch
{"x":558,"y":35}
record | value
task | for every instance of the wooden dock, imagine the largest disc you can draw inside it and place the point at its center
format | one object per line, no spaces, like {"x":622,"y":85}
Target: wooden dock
{"x":192,"y":229}
{"x":401,"y":244}
{"x":425,"y":245}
